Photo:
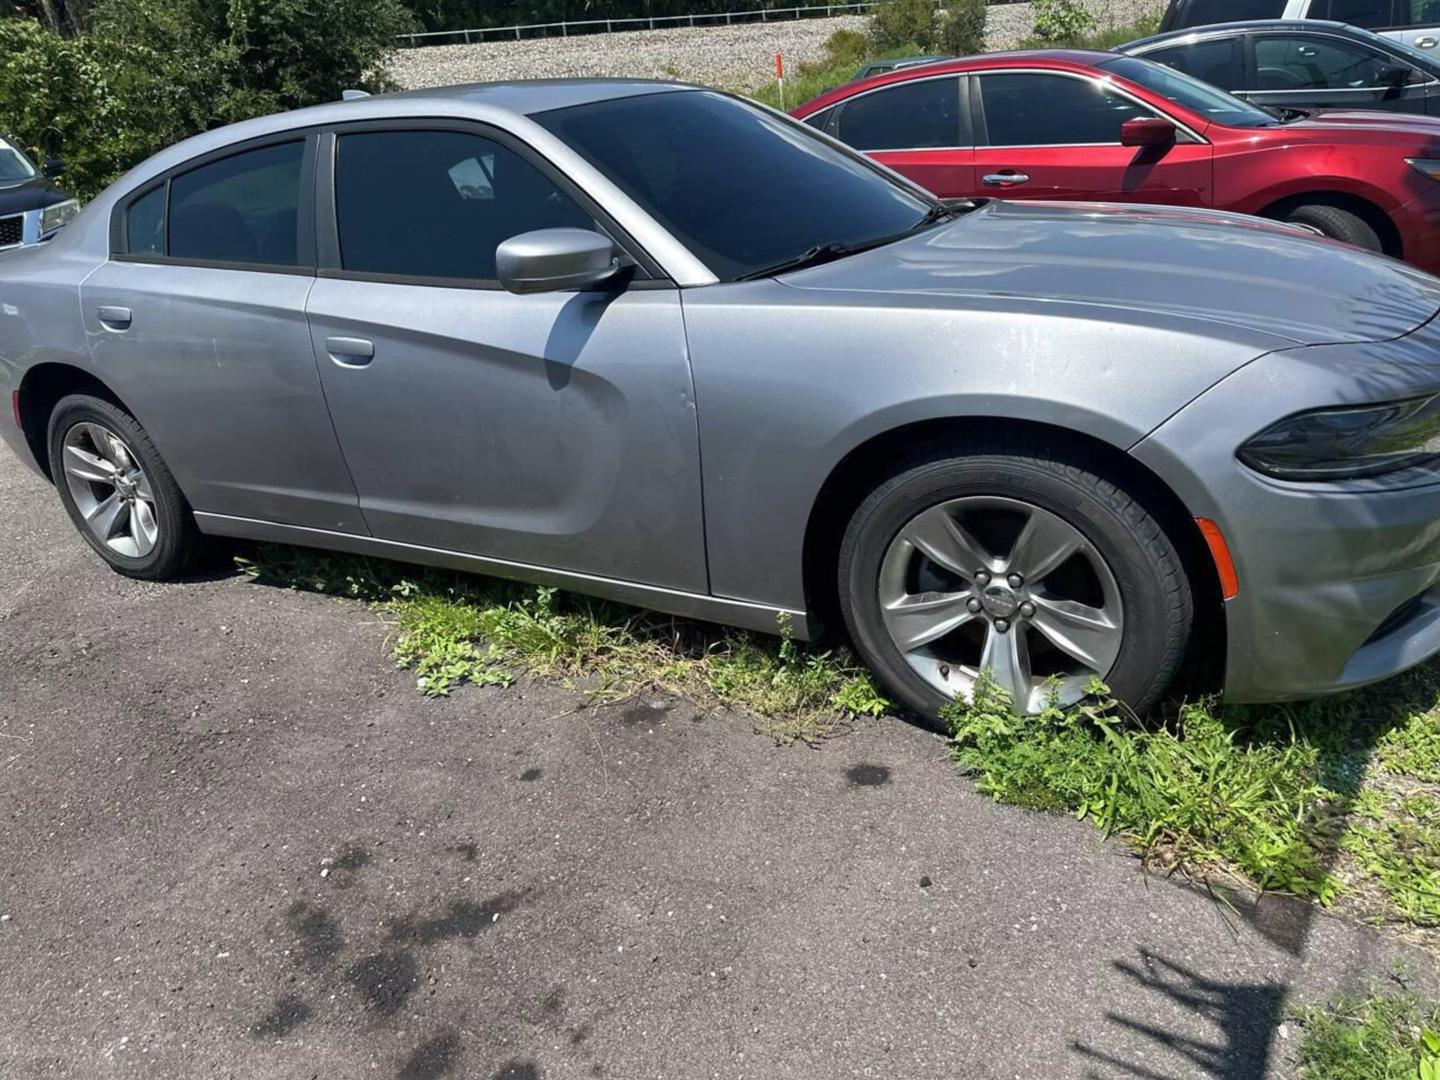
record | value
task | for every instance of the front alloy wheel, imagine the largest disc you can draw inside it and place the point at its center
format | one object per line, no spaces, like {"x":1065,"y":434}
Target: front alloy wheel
{"x":1034,"y":602}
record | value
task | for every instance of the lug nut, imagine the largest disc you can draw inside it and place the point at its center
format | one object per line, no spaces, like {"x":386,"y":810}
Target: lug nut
{"x":945,"y":671}
{"x":974,"y":603}
{"x":982,"y":578}
{"x":1016,"y":581}
{"x":1002,"y":625}
{"x":1027,"y":609}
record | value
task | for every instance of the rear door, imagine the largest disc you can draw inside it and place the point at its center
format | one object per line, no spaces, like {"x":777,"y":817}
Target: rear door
{"x":200,"y":316}
{"x":1298,"y":69}
{"x":1054,"y":135}
{"x":1417,"y":24}
{"x":920,"y":128}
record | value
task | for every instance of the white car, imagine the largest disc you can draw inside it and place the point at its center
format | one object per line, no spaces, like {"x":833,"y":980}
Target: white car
{"x":1415,"y":22}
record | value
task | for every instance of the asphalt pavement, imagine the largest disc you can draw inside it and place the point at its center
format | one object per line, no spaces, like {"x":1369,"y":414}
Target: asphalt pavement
{"x":235,"y":841}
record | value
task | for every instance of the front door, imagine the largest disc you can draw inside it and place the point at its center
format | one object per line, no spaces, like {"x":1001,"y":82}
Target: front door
{"x":1321,"y":71}
{"x":553,"y":430}
{"x":1057,"y":136}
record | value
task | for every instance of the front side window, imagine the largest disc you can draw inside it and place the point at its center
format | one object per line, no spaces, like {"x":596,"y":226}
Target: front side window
{"x":1053,"y":110}
{"x":436,"y":204}
{"x":918,"y":115}
{"x":15,"y":167}
{"x":740,"y":187}
{"x":1308,"y":62}
{"x":1217,"y":62}
{"x":240,"y":209}
{"x":1369,"y":13}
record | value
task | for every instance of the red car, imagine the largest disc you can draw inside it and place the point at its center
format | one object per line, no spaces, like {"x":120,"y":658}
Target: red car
{"x":1090,"y":125}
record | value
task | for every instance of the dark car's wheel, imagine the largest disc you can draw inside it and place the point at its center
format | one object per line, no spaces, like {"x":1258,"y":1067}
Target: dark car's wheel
{"x":1337,"y":224}
{"x":119,"y":492}
{"x":1032,"y":565}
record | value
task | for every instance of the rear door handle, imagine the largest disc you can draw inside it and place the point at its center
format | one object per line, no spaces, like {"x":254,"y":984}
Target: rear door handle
{"x":1004,"y":179}
{"x":115,"y":318}
{"x":1426,"y":42}
{"x":350,"y":352}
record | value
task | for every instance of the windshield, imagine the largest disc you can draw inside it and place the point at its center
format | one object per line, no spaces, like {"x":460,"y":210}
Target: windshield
{"x":14,"y":166}
{"x":743,"y":189}
{"x":1190,"y":92}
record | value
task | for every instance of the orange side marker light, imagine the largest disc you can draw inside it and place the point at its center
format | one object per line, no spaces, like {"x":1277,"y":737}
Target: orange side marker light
{"x":1220,"y":552}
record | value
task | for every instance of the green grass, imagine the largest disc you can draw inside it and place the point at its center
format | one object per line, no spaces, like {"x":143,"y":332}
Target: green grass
{"x":1373,"y":1038}
{"x":452,"y":629}
{"x":809,"y":81}
{"x":1330,"y":799}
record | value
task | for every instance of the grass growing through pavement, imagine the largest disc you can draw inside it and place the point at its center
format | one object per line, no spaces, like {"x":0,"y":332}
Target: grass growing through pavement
{"x":1323,"y":799}
{"x":453,"y":628}
{"x":1372,"y":1038}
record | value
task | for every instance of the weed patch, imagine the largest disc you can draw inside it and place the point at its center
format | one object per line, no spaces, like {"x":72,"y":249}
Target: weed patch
{"x":1371,"y":1038}
{"x":452,"y":629}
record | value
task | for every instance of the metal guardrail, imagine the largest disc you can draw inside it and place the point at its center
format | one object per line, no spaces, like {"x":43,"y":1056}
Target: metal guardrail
{"x":642,"y":22}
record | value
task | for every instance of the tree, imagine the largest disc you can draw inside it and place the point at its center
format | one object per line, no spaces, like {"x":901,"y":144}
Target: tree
{"x":962,"y":27}
{"x":900,"y":24}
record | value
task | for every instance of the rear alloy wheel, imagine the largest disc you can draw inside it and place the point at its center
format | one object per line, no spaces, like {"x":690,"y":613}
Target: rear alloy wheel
{"x":1034,"y":568}
{"x":1337,"y":224}
{"x":119,"y":492}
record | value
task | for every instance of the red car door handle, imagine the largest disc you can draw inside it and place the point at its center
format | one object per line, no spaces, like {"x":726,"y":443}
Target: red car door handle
{"x":1008,"y":178}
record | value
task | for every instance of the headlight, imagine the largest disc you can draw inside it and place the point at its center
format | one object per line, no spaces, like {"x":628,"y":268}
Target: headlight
{"x":1339,"y":444}
{"x":1429,"y":166}
{"x":53,"y":217}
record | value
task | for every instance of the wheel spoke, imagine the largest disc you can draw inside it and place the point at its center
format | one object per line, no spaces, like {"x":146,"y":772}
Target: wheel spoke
{"x":143,"y":488}
{"x":105,"y":517}
{"x":917,"y":620}
{"x":1043,"y":545}
{"x":1007,"y":656}
{"x":1086,"y":633}
{"x":88,"y":466}
{"x":143,"y":529}
{"x":946,"y":542}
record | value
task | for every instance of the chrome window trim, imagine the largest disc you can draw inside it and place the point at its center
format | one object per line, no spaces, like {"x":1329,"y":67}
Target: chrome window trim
{"x":1104,"y":82}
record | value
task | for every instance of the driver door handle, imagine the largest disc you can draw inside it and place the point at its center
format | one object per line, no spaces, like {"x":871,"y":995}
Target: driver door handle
{"x":1008,"y":178}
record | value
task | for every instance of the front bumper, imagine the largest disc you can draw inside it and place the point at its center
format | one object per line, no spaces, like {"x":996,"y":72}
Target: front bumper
{"x":1339,"y":583}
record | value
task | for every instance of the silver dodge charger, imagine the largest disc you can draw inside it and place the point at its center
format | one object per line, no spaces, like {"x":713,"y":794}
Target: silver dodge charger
{"x":658,"y":344}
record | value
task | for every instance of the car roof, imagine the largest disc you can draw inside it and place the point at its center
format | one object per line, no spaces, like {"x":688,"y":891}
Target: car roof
{"x":531,"y":96}
{"x":1223,"y":29}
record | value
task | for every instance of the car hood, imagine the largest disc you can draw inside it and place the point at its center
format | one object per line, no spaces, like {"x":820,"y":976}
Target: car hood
{"x":1258,"y":275}
{"x":1414,"y":131}
{"x":29,"y":194}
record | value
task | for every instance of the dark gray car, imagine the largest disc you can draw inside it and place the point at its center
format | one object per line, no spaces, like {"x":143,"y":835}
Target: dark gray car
{"x":662,"y":345}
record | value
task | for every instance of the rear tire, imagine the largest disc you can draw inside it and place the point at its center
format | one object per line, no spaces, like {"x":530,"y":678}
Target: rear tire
{"x":119,"y":492}
{"x":1338,"y":224}
{"x":1095,"y":588}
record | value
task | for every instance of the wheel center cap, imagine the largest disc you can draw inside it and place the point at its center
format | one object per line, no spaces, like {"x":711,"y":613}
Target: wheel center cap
{"x":999,"y":600}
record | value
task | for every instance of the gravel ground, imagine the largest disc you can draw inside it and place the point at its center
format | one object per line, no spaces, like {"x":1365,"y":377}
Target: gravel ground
{"x":236,"y":842}
{"x":736,"y":57}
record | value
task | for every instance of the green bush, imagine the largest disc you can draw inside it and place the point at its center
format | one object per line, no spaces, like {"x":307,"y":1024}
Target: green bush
{"x":962,"y":28}
{"x":846,"y":47}
{"x":1058,"y":21}
{"x":897,"y":23}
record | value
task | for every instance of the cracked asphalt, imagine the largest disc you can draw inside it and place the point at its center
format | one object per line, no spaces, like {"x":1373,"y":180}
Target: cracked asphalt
{"x":236,"y":842}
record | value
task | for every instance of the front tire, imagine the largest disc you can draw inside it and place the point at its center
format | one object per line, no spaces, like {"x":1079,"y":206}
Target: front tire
{"x":1338,"y":224}
{"x":119,"y":492}
{"x":1016,"y":559}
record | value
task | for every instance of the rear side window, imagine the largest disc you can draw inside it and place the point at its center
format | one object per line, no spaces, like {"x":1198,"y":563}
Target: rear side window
{"x":436,"y":204}
{"x":1219,"y":63}
{"x":1306,"y":62}
{"x":145,"y":224}
{"x":1209,"y":12}
{"x":1418,"y":12}
{"x":916,"y":115}
{"x":241,"y":209}
{"x":1053,"y":110}
{"x":1368,"y":13}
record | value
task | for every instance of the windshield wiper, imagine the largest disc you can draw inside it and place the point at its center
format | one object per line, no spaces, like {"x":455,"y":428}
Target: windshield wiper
{"x":824,"y":253}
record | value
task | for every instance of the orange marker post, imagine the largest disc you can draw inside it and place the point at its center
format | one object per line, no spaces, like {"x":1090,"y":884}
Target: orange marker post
{"x":780,"y":78}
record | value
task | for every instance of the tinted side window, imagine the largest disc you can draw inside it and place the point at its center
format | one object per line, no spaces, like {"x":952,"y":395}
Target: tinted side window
{"x":241,"y":209}
{"x":1209,"y":12}
{"x":909,"y":116}
{"x":1419,"y":12}
{"x":1302,"y":62}
{"x":821,"y":120}
{"x":1219,"y":63}
{"x":1369,"y":13}
{"x":145,"y":224}
{"x":438,"y":203}
{"x":1045,"y":110}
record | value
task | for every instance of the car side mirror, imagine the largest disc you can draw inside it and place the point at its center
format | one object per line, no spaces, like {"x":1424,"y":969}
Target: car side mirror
{"x":552,"y":260}
{"x":53,"y":167}
{"x":1147,"y":131}
{"x":1394,"y":75}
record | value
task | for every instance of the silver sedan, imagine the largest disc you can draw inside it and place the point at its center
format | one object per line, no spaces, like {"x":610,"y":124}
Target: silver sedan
{"x":662,"y":345}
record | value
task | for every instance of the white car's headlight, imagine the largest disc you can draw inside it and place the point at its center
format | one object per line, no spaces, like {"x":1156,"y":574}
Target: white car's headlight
{"x":62,"y":213}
